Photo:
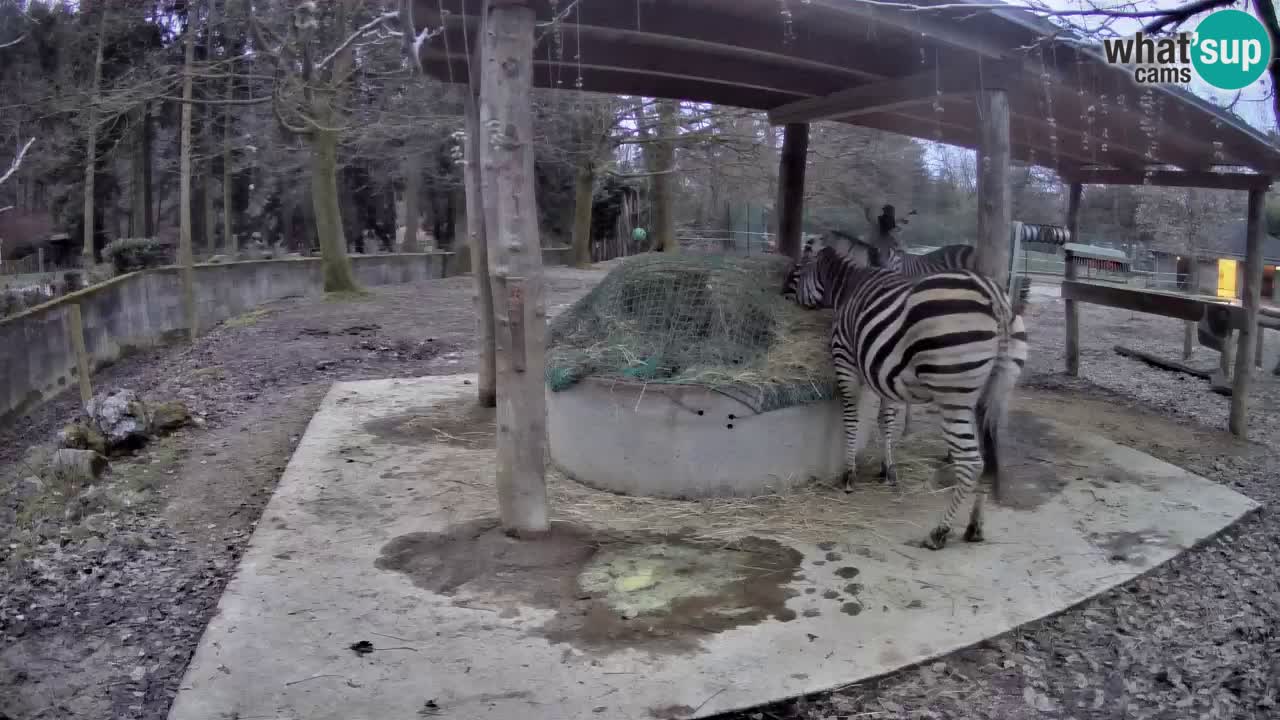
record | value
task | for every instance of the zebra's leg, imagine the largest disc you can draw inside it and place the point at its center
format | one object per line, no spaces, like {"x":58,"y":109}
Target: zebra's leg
{"x":888,"y":424}
{"x":973,"y":533}
{"x":961,"y":433}
{"x":856,"y":400}
{"x":935,"y":415}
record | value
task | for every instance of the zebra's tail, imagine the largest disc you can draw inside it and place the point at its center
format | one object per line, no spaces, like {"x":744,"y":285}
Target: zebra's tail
{"x":993,"y":404}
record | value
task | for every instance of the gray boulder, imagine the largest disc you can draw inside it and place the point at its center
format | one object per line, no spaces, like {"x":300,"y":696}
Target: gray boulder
{"x":121,"y":417}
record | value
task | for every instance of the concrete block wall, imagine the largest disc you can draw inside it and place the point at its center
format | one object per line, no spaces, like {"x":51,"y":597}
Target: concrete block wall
{"x":143,"y":309}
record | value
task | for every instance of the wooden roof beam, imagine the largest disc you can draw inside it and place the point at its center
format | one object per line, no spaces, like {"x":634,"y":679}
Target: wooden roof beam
{"x":945,"y":31}
{"x":892,"y":94}
{"x":1171,"y":178}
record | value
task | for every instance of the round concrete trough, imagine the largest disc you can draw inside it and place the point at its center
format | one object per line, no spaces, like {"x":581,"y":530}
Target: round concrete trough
{"x":688,"y":441}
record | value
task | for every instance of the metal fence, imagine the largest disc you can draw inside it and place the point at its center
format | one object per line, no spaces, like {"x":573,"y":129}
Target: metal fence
{"x":726,"y":242}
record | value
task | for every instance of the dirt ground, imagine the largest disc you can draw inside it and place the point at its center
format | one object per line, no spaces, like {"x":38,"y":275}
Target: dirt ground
{"x":99,"y":617}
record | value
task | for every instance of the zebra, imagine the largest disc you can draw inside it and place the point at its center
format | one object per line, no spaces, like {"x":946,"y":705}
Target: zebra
{"x":885,"y":253}
{"x":948,"y":338}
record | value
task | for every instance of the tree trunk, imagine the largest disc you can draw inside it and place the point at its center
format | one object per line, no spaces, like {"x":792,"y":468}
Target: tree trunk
{"x":231,"y":247}
{"x":662,"y":150}
{"x":584,"y":183}
{"x":184,"y":204}
{"x":137,"y":192}
{"x":338,"y":275}
{"x":91,"y":144}
{"x":789,"y":207}
{"x":476,"y":258}
{"x":150,"y":210}
{"x":994,"y":206}
{"x":206,"y":192}
{"x":412,"y":194}
{"x":515,"y":265}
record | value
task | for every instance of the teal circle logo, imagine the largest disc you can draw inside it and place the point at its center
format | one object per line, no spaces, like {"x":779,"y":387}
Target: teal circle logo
{"x":1232,"y":49}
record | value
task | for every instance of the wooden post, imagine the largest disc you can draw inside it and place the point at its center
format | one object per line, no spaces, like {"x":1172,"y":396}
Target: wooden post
{"x":515,"y":263}
{"x":486,"y":390}
{"x":790,"y":209}
{"x":1069,"y":273}
{"x":82,"y":355}
{"x":994,"y":207}
{"x":1193,"y":288}
{"x":40,"y":258}
{"x":1251,"y":298}
{"x":1259,"y":347}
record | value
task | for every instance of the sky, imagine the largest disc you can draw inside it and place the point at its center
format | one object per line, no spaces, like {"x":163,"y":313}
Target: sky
{"x":1254,"y":106}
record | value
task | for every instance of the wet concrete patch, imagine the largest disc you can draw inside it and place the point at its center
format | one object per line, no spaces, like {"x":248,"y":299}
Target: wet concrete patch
{"x":1129,"y":546}
{"x":610,"y":592}
{"x":1031,"y":476}
{"x":460,"y":423}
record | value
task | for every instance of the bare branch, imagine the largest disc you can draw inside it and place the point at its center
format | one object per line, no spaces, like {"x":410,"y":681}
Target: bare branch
{"x":1179,"y":15}
{"x":359,"y":33}
{"x":17,"y":161}
{"x":13,"y":42}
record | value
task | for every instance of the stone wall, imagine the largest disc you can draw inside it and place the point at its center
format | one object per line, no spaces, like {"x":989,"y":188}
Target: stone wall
{"x":144,"y":308}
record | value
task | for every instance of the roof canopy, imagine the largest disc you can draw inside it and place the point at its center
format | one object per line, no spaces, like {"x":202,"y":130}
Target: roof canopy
{"x":906,"y":71}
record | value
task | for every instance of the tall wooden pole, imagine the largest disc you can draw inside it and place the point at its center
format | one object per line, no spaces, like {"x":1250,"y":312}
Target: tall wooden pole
{"x":184,"y":193}
{"x":1251,"y":298}
{"x":1069,"y":273}
{"x":790,"y":205}
{"x":477,"y":243}
{"x":994,"y":206}
{"x":515,"y":263}
{"x":82,"y":355}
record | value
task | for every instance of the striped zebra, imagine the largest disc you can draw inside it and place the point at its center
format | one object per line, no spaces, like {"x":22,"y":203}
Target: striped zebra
{"x":944,"y":259}
{"x":947,"y":338}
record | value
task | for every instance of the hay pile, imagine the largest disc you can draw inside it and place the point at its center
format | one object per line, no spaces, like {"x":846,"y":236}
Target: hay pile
{"x":710,"y":320}
{"x":808,"y":513}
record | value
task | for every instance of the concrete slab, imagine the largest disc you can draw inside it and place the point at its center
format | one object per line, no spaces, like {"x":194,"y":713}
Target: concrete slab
{"x":377,"y":535}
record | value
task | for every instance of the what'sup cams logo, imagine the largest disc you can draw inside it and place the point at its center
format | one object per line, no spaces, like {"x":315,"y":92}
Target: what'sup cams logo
{"x":1229,"y":50}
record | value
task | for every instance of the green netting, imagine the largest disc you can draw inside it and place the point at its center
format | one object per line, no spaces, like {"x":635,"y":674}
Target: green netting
{"x":715,"y":321}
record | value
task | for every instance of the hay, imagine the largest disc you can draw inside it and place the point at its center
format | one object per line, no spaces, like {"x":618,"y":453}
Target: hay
{"x":813,"y":512}
{"x":706,"y":320}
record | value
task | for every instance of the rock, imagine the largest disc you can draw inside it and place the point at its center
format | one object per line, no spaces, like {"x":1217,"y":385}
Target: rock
{"x":78,"y":466}
{"x":121,"y":417}
{"x":169,"y":416}
{"x":218,"y":259}
{"x":80,"y":436}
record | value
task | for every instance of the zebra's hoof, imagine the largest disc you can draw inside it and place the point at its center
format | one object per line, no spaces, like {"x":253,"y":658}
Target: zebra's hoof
{"x":938,"y":538}
{"x":889,"y":474}
{"x":973,"y":533}
{"x":846,"y":481}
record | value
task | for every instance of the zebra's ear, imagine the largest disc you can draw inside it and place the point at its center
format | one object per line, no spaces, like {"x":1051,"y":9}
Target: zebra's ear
{"x":807,"y":253}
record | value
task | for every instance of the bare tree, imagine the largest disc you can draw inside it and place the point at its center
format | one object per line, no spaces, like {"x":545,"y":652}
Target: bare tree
{"x":184,"y":207}
{"x":17,"y":161}
{"x":309,"y":95}
{"x":91,"y":143}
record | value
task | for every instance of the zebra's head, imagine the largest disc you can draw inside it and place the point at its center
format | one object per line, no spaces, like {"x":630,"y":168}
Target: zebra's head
{"x":808,"y":279}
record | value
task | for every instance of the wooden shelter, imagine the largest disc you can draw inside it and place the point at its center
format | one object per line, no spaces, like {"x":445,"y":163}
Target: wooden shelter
{"x":1004,"y":82}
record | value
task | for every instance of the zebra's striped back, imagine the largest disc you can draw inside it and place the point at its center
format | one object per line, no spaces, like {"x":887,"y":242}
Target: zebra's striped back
{"x":947,"y":257}
{"x":947,"y":338}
